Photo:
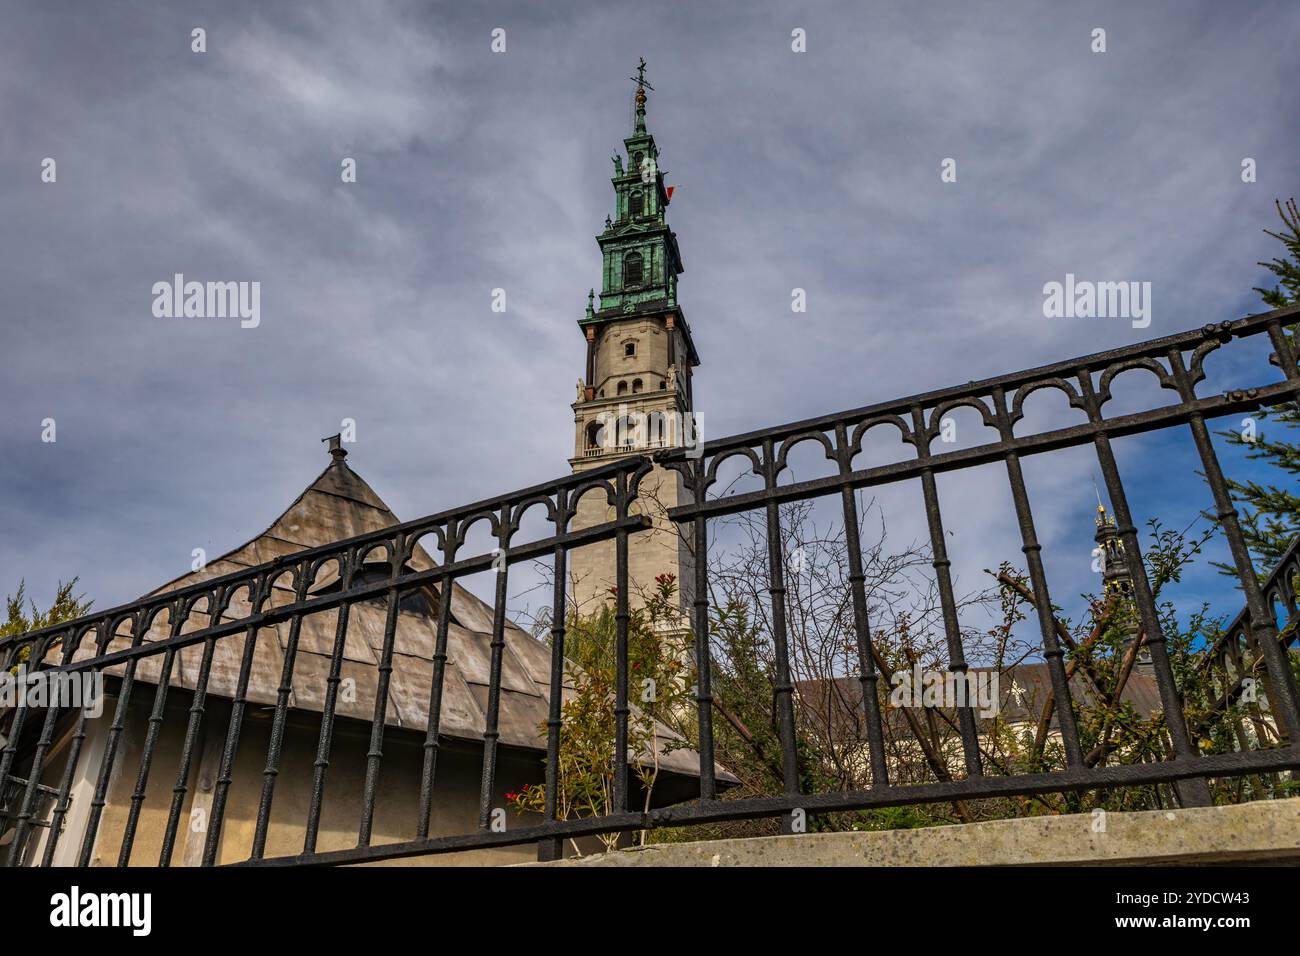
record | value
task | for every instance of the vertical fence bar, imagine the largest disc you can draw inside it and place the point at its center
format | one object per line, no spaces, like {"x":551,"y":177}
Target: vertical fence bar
{"x":1052,"y":651}
{"x":111,"y":745}
{"x":326,"y":739}
{"x":867,"y":676}
{"x":970,"y":744}
{"x":11,"y":653}
{"x":1194,"y":792}
{"x":39,"y":648}
{"x":1286,"y":355}
{"x":271,"y":771}
{"x":1288,"y":592}
{"x":621,"y":617}
{"x":783,"y":686}
{"x":10,"y":748}
{"x":238,"y":705}
{"x":192,"y":730}
{"x":1259,"y":615}
{"x":151,"y":737}
{"x":552,"y":848}
{"x":490,"y":732}
{"x":24,"y":818}
{"x":375,"y":754}
{"x":70,"y":770}
{"x":703,"y":650}
{"x":446,"y":586}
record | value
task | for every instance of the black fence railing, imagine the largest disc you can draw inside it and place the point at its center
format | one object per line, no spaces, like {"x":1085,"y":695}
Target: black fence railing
{"x":236,"y":608}
{"x":1235,"y":660}
{"x":13,"y":794}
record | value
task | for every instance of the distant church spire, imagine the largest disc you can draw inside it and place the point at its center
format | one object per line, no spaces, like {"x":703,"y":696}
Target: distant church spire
{"x":1114,"y":577}
{"x":1117,"y":581}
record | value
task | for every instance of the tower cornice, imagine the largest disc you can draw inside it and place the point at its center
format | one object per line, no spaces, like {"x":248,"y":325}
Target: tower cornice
{"x":604,"y":317}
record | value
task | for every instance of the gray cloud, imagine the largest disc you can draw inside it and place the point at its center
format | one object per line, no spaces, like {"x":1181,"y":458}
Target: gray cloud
{"x":476,"y":171}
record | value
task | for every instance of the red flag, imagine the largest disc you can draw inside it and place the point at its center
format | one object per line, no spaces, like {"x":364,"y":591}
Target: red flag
{"x":670,"y":194}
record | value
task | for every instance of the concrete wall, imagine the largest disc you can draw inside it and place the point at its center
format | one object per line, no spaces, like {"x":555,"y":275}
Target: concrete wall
{"x":1265,"y":832}
{"x":456,"y":791}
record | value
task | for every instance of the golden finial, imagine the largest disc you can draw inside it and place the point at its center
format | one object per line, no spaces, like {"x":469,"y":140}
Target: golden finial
{"x":1102,"y":520}
{"x":641,"y":85}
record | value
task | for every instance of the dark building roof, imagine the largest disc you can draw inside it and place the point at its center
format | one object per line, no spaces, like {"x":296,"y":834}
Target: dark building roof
{"x":338,"y":505}
{"x":836,"y":704}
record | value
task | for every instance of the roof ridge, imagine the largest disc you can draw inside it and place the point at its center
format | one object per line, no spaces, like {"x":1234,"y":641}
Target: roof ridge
{"x":266,"y":532}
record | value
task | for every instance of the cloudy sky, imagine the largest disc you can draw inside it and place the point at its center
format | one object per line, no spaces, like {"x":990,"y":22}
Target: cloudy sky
{"x":476,"y":170}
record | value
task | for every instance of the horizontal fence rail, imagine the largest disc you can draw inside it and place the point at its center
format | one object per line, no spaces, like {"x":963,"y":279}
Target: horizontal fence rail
{"x":142,"y":645}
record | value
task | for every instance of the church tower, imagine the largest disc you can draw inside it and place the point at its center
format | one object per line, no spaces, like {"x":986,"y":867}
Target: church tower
{"x":1117,"y":582}
{"x":635,"y":395}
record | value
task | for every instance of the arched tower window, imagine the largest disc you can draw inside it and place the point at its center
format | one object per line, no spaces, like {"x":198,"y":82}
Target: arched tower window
{"x":636,"y":203}
{"x":636,"y":385}
{"x":622,"y":388}
{"x":595,"y":434}
{"x":657,"y":430}
{"x":629,"y":433}
{"x":632,"y":269}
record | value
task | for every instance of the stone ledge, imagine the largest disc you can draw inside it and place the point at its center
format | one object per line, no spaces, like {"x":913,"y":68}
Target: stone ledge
{"x":1262,"y":832}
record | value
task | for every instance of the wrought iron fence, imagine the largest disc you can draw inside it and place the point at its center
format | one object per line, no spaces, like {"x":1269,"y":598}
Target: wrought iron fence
{"x":11,"y":796}
{"x":238,"y":606}
{"x":1235,"y":657}
{"x":1177,"y":361}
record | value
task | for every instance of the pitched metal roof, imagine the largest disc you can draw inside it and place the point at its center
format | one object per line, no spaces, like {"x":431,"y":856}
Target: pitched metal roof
{"x":337,"y":505}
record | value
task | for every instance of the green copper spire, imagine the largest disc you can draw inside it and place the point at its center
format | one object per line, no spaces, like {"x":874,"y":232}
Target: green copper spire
{"x":641,"y":258}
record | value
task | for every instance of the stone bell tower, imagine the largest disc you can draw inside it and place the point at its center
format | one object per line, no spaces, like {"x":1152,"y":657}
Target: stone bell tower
{"x":635,"y":395}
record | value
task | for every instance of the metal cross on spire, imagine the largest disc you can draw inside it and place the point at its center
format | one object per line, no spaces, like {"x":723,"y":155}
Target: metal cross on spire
{"x":639,"y":79}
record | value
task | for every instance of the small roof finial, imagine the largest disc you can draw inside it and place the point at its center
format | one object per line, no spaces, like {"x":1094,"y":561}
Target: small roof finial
{"x":337,"y":451}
